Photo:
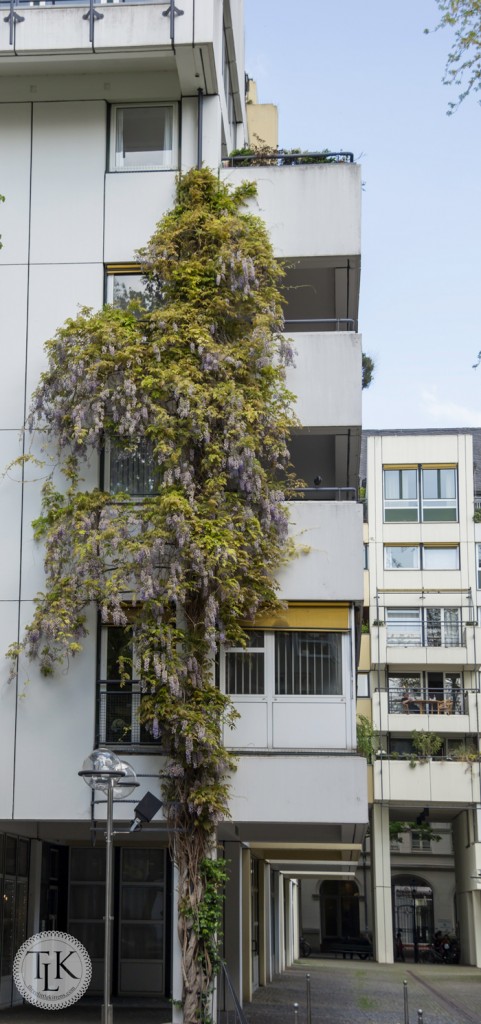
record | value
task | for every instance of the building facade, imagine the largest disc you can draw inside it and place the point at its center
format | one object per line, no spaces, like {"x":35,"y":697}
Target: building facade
{"x":419,"y":684}
{"x":100,"y":108}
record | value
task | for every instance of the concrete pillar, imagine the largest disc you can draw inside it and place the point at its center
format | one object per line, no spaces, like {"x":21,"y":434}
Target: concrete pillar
{"x":264,"y":941}
{"x":281,"y":945}
{"x":246,"y":928}
{"x":467,"y":866}
{"x":188,"y":139}
{"x":211,"y":133}
{"x":233,"y":951}
{"x":177,"y":1012}
{"x":34,"y":885}
{"x":381,"y":884}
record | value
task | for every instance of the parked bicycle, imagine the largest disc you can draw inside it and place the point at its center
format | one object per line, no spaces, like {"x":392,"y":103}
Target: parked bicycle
{"x":442,"y":951}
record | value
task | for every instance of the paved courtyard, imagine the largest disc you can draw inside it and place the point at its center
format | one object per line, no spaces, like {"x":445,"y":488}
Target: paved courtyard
{"x":342,"y":992}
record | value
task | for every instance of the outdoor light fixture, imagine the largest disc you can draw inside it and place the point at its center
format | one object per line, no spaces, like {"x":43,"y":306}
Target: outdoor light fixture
{"x":105,"y":772}
{"x":145,"y":811}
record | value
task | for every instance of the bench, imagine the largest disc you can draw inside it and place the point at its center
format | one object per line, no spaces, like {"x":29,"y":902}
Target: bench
{"x":348,"y":947}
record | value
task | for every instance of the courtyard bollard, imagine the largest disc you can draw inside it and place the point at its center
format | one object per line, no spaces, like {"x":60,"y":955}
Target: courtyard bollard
{"x":406,"y":1009}
{"x":420,"y":1017}
{"x":296,"y":1013}
{"x":308,"y":998}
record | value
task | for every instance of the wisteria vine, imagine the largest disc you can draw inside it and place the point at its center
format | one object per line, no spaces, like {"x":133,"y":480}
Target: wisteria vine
{"x":196,"y":374}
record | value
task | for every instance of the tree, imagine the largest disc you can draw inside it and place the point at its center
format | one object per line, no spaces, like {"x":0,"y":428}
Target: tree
{"x":463,"y":65}
{"x":196,"y":377}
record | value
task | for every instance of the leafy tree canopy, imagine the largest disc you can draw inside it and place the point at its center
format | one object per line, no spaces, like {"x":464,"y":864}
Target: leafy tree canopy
{"x":463,"y":65}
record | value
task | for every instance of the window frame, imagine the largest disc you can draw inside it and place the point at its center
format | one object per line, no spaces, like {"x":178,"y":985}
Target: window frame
{"x":422,"y":554}
{"x":113,"y":164}
{"x":270,"y":691}
{"x":420,"y":509}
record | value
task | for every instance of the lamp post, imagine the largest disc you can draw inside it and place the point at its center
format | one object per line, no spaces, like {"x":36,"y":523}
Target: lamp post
{"x":104,"y":771}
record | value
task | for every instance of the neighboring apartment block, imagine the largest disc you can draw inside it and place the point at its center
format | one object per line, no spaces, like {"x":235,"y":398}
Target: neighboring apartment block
{"x":420,"y":682}
{"x":101,"y":107}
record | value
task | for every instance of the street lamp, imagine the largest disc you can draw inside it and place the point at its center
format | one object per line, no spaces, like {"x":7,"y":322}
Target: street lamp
{"x":105,"y":772}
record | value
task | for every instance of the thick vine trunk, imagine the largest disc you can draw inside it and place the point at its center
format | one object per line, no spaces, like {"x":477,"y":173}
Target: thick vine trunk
{"x":189,"y":851}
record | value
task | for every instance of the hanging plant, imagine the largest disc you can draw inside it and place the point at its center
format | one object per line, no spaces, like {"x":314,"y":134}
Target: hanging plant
{"x":197,"y":377}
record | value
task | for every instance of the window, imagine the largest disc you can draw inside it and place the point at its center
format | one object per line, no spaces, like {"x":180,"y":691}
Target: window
{"x":415,"y":494}
{"x":366,"y":556}
{"x":439,"y":499}
{"x":143,"y":138}
{"x":398,"y":557}
{"x":416,"y":556}
{"x":428,"y":627}
{"x":244,"y":666}
{"x":419,"y":842}
{"x":440,"y":557}
{"x":119,"y":692}
{"x":478,"y":567}
{"x":290,"y":663}
{"x":128,"y":472}
{"x":400,"y":495}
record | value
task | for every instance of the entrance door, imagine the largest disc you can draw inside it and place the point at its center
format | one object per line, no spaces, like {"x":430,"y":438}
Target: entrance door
{"x":142,"y":922}
{"x":139,"y":893}
{"x":339,"y":910}
{"x":14,"y":857}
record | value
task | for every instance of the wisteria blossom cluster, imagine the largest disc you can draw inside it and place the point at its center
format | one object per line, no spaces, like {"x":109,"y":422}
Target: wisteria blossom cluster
{"x":198,"y":379}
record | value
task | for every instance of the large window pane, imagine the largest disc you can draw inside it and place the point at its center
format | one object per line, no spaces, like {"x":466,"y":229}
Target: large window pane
{"x":440,"y":558}
{"x":134,"y":472}
{"x":397,"y":557}
{"x":404,"y":627}
{"x":401,"y":495}
{"x":143,"y":137}
{"x":439,"y":495}
{"x":308,"y":663}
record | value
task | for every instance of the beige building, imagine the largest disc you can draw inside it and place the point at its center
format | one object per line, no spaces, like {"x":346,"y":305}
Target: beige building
{"x":419,"y":684}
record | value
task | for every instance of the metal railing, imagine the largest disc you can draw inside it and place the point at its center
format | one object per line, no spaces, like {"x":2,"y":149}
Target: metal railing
{"x":434,"y":702}
{"x":324,"y":494}
{"x":118,"y":723}
{"x":76,"y":3}
{"x":406,"y":633}
{"x":280,"y":158}
{"x":232,"y":1013}
{"x":349,"y":324}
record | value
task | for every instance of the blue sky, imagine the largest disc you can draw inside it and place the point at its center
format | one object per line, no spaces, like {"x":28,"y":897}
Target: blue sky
{"x":361,"y":75}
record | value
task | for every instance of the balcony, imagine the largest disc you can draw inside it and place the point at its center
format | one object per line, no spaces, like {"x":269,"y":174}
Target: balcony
{"x":310,"y":210}
{"x":320,"y":359}
{"x":403,"y":642}
{"x":450,"y":715}
{"x":111,"y":34}
{"x":329,"y":563}
{"x":434,"y":781}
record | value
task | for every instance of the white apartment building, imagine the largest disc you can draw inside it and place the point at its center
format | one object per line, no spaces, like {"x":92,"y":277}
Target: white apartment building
{"x":101,"y":106}
{"x":420,"y":682}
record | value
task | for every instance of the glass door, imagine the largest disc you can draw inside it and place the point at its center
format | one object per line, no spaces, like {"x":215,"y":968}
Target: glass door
{"x":142,"y":922}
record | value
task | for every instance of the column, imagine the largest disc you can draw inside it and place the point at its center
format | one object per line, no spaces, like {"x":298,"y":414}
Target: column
{"x":233,"y":952}
{"x":381,"y":884}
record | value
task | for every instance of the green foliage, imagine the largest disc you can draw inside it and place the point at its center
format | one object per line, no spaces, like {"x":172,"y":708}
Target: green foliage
{"x":197,"y":376}
{"x":425,"y":744}
{"x":367,"y":370}
{"x":463,"y":65}
{"x":267,"y":156}
{"x":424,"y":830}
{"x":367,"y":738}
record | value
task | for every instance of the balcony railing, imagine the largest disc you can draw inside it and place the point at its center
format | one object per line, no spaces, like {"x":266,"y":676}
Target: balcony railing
{"x":432,"y":702}
{"x":406,"y":633}
{"x":118,"y":722}
{"x":323,"y":494}
{"x":284,"y":158}
{"x":339,"y":323}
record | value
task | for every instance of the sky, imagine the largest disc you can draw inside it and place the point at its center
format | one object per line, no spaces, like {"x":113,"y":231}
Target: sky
{"x":361,"y":75}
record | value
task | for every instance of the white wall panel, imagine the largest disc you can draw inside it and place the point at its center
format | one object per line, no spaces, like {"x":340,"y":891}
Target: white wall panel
{"x":11,"y":515}
{"x":300,"y":724}
{"x":320,"y":359}
{"x":299,"y":789}
{"x":68,"y":166}
{"x":15,"y":138}
{"x":55,"y":732}
{"x":56,"y":293}
{"x":13,"y":306}
{"x":8,"y":703}
{"x":329,"y":563}
{"x":134,"y":203}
